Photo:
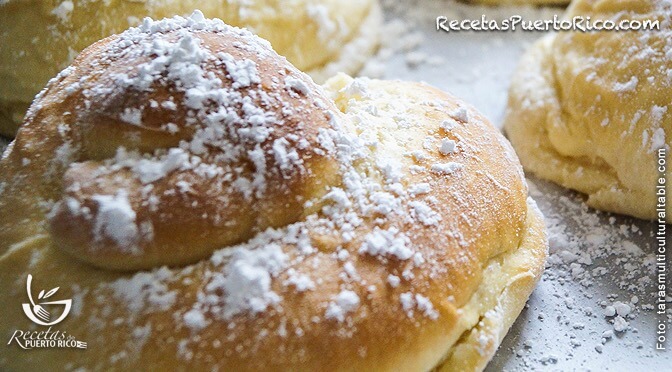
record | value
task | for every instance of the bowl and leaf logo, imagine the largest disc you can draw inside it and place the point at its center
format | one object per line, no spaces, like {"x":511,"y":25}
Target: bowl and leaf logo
{"x":38,"y":311}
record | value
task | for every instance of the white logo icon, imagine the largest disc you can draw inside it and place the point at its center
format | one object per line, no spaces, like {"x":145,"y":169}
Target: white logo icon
{"x":37,"y":312}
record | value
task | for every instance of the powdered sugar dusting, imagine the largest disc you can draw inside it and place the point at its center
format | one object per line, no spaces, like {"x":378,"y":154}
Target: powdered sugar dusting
{"x":374,"y":218}
{"x":344,"y":303}
{"x":116,"y":220}
{"x":390,"y":243}
{"x":246,"y":280}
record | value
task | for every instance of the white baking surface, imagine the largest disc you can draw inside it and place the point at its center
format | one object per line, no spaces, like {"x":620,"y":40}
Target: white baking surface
{"x":562,"y":327}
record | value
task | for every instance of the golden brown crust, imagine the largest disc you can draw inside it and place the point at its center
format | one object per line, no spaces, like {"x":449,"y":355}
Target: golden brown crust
{"x":418,"y":222}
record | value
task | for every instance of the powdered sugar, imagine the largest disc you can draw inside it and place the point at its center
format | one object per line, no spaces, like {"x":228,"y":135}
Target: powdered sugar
{"x":151,"y":170}
{"x":344,"y":303}
{"x":195,"y":320}
{"x":460,"y":114}
{"x":301,"y":282}
{"x":446,"y":168}
{"x":246,"y":280}
{"x":145,"y":292}
{"x":411,"y":303}
{"x":387,"y":243}
{"x":116,"y":220}
{"x":600,"y":268}
{"x":628,"y":86}
{"x":63,"y":10}
{"x":447,"y":147}
{"x":424,"y":213}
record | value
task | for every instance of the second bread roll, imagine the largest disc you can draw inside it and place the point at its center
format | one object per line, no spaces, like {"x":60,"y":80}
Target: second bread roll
{"x":40,"y":38}
{"x":591,"y":111}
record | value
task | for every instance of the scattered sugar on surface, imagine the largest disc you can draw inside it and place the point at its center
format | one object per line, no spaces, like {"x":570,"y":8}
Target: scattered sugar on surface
{"x":597,"y":296}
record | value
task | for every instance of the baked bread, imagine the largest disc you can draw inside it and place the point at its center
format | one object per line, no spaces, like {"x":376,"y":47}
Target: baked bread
{"x":321,"y":37}
{"x":207,"y":206}
{"x":590,"y":111}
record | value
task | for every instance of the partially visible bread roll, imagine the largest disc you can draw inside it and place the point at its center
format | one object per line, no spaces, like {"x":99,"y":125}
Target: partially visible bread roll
{"x":590,"y":111}
{"x":207,"y":206}
{"x":40,"y":38}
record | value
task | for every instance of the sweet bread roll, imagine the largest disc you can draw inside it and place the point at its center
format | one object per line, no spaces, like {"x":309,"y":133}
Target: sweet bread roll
{"x":40,"y":38}
{"x":591,"y":110}
{"x":205,"y":205}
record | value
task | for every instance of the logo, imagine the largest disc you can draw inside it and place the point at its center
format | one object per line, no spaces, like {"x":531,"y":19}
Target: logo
{"x":40,"y":312}
{"x":37,"y":312}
